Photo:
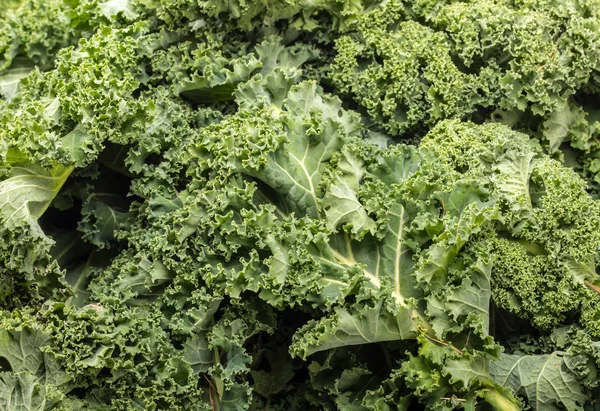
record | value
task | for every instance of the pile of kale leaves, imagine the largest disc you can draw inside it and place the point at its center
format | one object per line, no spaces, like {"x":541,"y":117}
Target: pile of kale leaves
{"x":299,"y":205}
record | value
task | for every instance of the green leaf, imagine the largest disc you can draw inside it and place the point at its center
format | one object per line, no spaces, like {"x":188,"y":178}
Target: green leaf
{"x":102,"y":217}
{"x":112,"y":8}
{"x":34,"y":379}
{"x":468,"y":370}
{"x":22,"y":350}
{"x":567,"y":124}
{"x":361,"y":324}
{"x":10,"y":79}
{"x":544,"y":379}
{"x":24,"y":392}
{"x":317,"y":128}
{"x":77,"y":143}
{"x":28,"y":191}
{"x":236,"y":397}
{"x":341,"y":204}
{"x":198,"y":354}
{"x":280,"y":374}
{"x":388,"y":258}
{"x":512,"y":181}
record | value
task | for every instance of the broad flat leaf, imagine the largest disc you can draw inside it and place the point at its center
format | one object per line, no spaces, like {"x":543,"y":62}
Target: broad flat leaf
{"x":389,"y":258}
{"x":11,"y":78}
{"x":28,"y":191}
{"x":24,"y":392}
{"x":113,"y":7}
{"x":76,"y":143}
{"x":471,"y":297}
{"x":32,"y":381}
{"x":466,"y":213}
{"x":543,"y":379}
{"x":513,"y":181}
{"x":198,"y":354}
{"x":388,"y":261}
{"x":341,"y":204}
{"x":581,"y":271}
{"x":236,"y":397}
{"x":286,"y":144}
{"x":102,"y":218}
{"x":275,"y":380}
{"x":465,"y":370}
{"x":22,"y":350}
{"x":316,"y":127}
{"x":237,"y":361}
{"x":393,"y":253}
{"x":360,"y":325}
{"x":564,"y":124}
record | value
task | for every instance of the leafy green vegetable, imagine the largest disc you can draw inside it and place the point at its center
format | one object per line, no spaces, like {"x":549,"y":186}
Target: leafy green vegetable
{"x":283,"y":205}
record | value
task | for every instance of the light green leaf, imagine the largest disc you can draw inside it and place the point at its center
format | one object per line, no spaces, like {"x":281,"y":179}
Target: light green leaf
{"x":466,"y":370}
{"x":11,"y":78}
{"x":565,"y":124}
{"x":198,"y":354}
{"x":24,"y":392}
{"x":113,"y":7}
{"x":317,"y":128}
{"x":76,"y":143}
{"x":543,"y":379}
{"x":27,"y":193}
{"x":341,"y":205}
{"x":513,"y":179}
{"x":473,"y":295}
{"x":384,"y":321}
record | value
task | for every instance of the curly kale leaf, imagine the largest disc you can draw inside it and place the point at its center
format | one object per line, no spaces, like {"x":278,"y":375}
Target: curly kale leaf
{"x":411,"y":66}
{"x":194,"y":219}
{"x":546,"y":245}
